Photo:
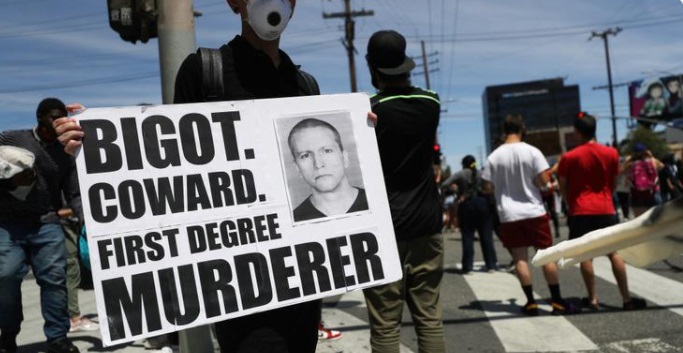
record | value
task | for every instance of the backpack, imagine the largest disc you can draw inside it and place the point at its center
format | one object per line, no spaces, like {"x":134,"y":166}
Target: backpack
{"x":216,"y":66}
{"x":643,"y":175}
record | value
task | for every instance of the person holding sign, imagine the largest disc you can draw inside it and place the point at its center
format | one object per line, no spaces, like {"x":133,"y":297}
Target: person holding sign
{"x":321,"y":160}
{"x":34,"y":172}
{"x":254,"y":67}
{"x":407,"y":118}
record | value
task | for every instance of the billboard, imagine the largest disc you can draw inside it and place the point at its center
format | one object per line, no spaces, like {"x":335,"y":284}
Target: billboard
{"x":657,"y":98}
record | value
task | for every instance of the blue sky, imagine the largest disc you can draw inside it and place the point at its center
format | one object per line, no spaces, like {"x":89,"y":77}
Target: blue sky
{"x":67,"y":50}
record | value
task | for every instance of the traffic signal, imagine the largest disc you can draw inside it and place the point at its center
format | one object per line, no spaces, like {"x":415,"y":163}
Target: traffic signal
{"x":437,"y":154}
{"x":133,"y":20}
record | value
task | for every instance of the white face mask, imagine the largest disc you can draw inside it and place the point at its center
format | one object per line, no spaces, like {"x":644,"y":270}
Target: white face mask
{"x":21,"y":192}
{"x":268,"y":18}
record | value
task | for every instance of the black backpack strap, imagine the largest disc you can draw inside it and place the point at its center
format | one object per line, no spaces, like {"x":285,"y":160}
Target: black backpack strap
{"x":212,"y":73}
{"x":307,"y":83}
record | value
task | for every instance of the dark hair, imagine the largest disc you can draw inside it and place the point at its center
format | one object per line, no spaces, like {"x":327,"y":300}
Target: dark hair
{"x":585,"y":124}
{"x":467,"y":161}
{"x":311,"y":123}
{"x":49,"y":104}
{"x":514,"y":124}
{"x":653,"y":85}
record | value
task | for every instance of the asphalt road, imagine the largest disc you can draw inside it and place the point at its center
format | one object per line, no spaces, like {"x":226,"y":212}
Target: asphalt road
{"x":481,"y":313}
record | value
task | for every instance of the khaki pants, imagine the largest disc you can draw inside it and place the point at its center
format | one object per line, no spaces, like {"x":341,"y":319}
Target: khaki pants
{"x":73,"y":270}
{"x":422,"y":260}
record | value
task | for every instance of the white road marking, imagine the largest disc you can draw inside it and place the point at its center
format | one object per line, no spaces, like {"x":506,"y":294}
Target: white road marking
{"x":652,"y":287}
{"x":501,"y":297}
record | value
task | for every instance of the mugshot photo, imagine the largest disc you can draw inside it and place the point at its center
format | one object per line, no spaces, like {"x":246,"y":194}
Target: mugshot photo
{"x":321,"y":167}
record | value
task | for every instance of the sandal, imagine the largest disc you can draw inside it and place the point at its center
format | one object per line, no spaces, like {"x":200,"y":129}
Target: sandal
{"x":563,"y":308}
{"x":586,"y":303}
{"x":530,"y":309}
{"x":635,"y":304}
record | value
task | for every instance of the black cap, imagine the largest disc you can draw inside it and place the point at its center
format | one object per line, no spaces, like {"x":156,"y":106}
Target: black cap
{"x":48,"y":104}
{"x":387,"y":53}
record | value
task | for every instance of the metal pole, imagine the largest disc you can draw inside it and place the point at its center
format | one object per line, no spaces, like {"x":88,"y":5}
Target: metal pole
{"x":605,"y":40}
{"x":349,"y":35}
{"x":349,"y":25}
{"x":425,"y":65}
{"x":176,"y":41}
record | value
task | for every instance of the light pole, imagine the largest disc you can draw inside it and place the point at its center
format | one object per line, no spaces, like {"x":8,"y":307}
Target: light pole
{"x":604,"y":36}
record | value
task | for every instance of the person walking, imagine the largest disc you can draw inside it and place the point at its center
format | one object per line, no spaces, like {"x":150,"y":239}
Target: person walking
{"x":407,"y":118}
{"x":474,"y":212}
{"x":514,"y":172}
{"x":588,"y":175}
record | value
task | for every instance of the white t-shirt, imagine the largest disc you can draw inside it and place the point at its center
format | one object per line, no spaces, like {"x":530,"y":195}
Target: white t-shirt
{"x":512,"y":168}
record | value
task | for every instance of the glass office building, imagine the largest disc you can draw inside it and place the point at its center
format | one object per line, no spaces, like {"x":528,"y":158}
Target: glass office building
{"x":548,"y":108}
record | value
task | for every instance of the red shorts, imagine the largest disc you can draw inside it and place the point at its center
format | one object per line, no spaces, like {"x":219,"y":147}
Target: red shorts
{"x":527,"y":232}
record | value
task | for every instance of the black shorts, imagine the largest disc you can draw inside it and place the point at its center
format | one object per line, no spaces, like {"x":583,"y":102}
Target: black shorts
{"x":583,"y":224}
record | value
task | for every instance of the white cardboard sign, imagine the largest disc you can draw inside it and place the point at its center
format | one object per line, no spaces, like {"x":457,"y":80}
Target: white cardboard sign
{"x":197,"y":213}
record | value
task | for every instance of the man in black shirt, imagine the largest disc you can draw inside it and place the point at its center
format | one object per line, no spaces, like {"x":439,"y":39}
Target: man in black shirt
{"x":321,"y":160}
{"x":253,"y":68}
{"x":30,"y":230}
{"x":407,"y":120}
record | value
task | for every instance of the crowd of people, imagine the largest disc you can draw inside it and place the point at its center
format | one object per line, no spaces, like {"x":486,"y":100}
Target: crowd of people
{"x":514,"y":196}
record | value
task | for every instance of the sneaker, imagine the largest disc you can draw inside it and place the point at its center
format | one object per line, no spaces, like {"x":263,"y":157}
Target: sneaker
{"x":8,"y":342}
{"x":563,"y":308}
{"x":635,"y":304}
{"x":511,"y":268}
{"x":63,"y":345}
{"x":530,"y":309}
{"x":84,"y":324}
{"x":325,"y":334}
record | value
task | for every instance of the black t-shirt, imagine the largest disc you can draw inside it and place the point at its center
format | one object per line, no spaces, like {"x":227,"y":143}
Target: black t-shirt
{"x":406,"y":127}
{"x":293,"y":328}
{"x":306,"y":210}
{"x":254,"y":72}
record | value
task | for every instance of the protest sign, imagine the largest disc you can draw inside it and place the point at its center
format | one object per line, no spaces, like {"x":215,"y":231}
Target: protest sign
{"x":197,"y":213}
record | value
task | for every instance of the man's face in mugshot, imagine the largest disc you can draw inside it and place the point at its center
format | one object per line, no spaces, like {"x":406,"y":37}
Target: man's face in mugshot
{"x":319,"y":158}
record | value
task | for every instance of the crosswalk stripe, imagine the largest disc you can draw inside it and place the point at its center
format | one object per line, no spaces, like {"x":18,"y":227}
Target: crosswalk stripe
{"x":519,"y":333}
{"x":652,"y":287}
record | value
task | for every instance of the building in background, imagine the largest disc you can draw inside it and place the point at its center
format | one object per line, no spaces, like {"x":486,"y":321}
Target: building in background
{"x":548,"y":107}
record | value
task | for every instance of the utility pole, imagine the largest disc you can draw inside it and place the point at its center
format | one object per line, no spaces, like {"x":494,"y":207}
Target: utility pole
{"x":604,"y":35}
{"x":349,"y":31}
{"x":176,"y":41}
{"x":425,"y":65}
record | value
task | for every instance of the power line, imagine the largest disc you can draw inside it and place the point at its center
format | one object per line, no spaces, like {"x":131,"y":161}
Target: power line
{"x":519,"y":35}
{"x":97,"y":81}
